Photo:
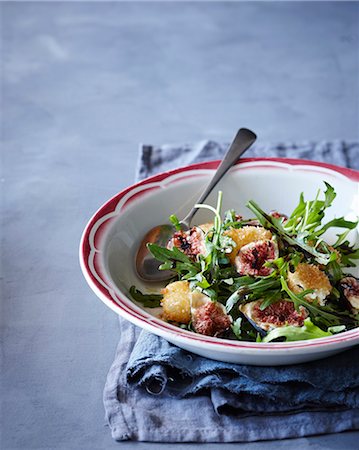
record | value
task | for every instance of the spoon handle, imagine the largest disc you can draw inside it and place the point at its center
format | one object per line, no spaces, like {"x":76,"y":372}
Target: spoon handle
{"x":243,"y":140}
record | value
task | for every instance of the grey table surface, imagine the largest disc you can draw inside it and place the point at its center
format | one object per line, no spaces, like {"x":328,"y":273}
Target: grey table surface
{"x":82,"y":85}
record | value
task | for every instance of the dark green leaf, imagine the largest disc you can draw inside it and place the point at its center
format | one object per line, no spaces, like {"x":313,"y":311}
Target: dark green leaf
{"x":335,"y":270}
{"x":329,"y":195}
{"x":147,"y":300}
{"x":269,"y":298}
{"x":339,"y":223}
{"x":164,"y":254}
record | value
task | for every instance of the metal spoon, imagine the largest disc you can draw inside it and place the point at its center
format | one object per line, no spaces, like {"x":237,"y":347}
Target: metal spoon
{"x":146,"y":264}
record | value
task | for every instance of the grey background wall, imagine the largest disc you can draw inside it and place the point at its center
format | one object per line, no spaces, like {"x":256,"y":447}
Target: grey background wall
{"x":82,"y":85}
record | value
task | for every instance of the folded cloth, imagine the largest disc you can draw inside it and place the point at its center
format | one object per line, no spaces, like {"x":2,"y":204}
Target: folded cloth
{"x":154,"y":159}
{"x":155,"y":390}
{"x":164,"y":368}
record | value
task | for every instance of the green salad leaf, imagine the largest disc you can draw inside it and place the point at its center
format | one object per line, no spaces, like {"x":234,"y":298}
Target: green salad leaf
{"x":299,"y":239}
{"x":147,"y":300}
{"x":174,"y":260}
{"x":308,"y":215}
{"x":292,"y":333}
{"x":303,"y":228}
{"x":175,"y":222}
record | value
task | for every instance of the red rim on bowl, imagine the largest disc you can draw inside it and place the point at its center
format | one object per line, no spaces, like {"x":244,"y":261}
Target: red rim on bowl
{"x":89,"y":257}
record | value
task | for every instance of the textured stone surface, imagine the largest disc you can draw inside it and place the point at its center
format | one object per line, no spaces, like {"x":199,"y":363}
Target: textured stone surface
{"x":82,"y":85}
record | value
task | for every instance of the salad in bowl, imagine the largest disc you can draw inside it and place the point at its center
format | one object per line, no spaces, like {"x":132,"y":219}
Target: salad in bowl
{"x":249,"y":286}
{"x":272,"y":277}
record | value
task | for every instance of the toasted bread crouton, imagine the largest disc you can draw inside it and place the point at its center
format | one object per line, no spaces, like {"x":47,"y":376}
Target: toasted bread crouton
{"x":309,"y":276}
{"x":244,"y":236}
{"x":176,"y":302}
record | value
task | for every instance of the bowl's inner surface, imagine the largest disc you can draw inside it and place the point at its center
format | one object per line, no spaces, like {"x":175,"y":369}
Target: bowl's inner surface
{"x":272,"y":188}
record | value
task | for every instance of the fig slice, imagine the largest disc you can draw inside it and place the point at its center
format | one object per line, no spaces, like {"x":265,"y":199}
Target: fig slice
{"x":190,"y":242}
{"x":276,"y":315}
{"x":251,"y":258}
{"x":208,"y":317}
{"x":350,"y":287}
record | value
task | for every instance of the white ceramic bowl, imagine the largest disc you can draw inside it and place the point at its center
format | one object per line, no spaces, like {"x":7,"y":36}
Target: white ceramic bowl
{"x":110,"y":240}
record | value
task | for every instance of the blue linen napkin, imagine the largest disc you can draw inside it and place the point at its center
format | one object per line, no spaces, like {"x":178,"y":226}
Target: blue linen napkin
{"x":154,"y":159}
{"x":154,"y":390}
{"x":164,"y":368}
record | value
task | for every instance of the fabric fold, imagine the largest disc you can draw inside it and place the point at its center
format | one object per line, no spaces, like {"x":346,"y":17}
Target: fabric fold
{"x":328,"y":383}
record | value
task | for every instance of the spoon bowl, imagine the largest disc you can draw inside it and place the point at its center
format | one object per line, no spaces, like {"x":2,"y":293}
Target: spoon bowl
{"x":145,"y":263}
